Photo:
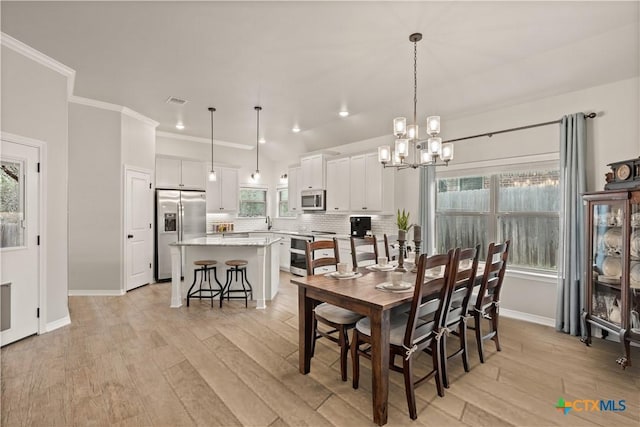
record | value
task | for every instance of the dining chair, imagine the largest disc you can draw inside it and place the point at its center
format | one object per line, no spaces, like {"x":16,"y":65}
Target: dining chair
{"x":358,"y":257}
{"x":338,"y":318}
{"x":463,"y":277}
{"x":421,"y":329}
{"x":487,"y":302}
{"x":389,"y":240}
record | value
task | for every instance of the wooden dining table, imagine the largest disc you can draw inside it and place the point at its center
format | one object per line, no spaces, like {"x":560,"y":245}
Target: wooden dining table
{"x":359,"y":295}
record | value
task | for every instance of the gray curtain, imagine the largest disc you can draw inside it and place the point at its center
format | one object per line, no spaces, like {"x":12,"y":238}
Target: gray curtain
{"x":570,"y":301}
{"x":427,"y":209}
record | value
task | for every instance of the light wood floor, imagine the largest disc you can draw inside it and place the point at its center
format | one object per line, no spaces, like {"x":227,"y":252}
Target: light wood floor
{"x":132,"y":360}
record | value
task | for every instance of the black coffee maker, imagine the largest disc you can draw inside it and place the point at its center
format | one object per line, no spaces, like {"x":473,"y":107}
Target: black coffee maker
{"x":360,"y":225}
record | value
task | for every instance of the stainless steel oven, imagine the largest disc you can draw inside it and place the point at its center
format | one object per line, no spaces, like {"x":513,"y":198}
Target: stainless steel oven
{"x":298,"y":250}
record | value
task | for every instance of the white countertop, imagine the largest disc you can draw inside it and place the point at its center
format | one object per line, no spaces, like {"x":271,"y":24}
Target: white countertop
{"x":285,"y":232}
{"x":228,"y":241}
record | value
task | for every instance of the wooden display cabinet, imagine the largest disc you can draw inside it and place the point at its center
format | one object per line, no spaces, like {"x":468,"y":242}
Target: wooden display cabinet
{"x":612,"y":276}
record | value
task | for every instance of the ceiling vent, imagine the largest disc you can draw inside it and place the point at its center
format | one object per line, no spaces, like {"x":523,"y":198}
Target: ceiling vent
{"x":176,"y":101}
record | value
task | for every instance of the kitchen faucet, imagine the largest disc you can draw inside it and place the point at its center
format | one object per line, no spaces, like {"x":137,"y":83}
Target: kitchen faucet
{"x":268,"y":221}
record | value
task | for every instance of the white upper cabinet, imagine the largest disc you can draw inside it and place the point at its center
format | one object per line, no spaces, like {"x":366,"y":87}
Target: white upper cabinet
{"x":294,"y":190}
{"x":222,"y":194}
{"x":371,"y":185}
{"x":338,"y":177}
{"x":177,"y":173}
{"x":312,"y":173}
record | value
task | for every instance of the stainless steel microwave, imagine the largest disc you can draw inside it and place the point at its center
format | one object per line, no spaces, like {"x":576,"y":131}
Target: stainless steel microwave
{"x":313,"y":200}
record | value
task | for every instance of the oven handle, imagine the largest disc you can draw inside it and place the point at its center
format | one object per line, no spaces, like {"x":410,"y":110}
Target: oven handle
{"x":297,"y":251}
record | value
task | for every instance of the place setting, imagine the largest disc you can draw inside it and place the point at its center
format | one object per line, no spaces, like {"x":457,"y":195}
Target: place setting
{"x":343,"y":272}
{"x":382,"y":265}
{"x":396,"y":283}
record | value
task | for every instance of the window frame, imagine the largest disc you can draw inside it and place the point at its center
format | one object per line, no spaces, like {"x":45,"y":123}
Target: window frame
{"x":280,"y":188}
{"x":492,"y":170}
{"x":266,"y":200}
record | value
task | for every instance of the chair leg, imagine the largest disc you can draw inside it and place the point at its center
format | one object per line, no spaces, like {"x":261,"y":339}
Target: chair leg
{"x":355,"y":341}
{"x":208,"y":274}
{"x":409,"y":386}
{"x":438,"y":363}
{"x":246,"y":278}
{"x":494,"y":325}
{"x":195,"y":275}
{"x":315,"y":335}
{"x":478,"y":321}
{"x":343,"y":339}
{"x":464,"y":345}
{"x":227,"y":285}
{"x":443,"y":363}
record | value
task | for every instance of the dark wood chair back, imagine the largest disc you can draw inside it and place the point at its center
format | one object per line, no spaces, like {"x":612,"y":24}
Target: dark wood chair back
{"x":358,"y":256}
{"x":389,"y":240}
{"x":313,"y":262}
{"x":493,"y":276}
{"x":424,"y":308}
{"x":464,"y":268}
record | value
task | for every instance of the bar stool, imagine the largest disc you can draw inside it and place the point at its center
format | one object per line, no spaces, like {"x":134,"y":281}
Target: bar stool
{"x":205,"y":269}
{"x":238,"y":266}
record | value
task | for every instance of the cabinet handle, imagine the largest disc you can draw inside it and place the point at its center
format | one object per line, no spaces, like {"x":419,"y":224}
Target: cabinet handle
{"x":221,"y":208}
{"x":335,"y":208}
{"x":364,"y":207}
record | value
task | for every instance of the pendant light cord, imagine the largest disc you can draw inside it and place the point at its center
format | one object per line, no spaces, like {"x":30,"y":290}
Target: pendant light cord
{"x":257,"y":135}
{"x":211,"y":109}
{"x":415,"y":81}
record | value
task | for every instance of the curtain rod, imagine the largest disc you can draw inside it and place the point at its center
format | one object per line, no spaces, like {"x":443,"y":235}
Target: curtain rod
{"x":490,"y":134}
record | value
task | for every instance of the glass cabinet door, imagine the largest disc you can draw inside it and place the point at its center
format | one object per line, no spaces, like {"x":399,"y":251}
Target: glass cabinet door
{"x":634,"y":270}
{"x":607,"y":259}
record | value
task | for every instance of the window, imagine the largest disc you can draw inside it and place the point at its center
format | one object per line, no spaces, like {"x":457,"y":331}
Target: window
{"x":519,"y":206}
{"x":253,"y":202}
{"x":283,"y":204}
{"x":11,"y":204}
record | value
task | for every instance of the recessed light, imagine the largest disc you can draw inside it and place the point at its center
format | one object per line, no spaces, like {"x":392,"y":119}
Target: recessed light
{"x":179,"y":125}
{"x":262,"y":141}
{"x":295,"y":129}
{"x":343,"y":113}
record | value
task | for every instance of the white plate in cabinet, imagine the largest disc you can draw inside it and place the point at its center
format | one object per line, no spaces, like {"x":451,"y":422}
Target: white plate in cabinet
{"x":222,"y":194}
{"x":338,"y":188}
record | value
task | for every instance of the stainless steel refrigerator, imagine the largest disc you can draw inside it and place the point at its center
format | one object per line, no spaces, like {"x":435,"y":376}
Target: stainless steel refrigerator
{"x":180,"y":215}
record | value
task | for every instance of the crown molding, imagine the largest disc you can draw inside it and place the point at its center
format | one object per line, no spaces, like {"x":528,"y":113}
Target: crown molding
{"x":171,"y":135}
{"x":113,"y":107}
{"x":42,"y":59}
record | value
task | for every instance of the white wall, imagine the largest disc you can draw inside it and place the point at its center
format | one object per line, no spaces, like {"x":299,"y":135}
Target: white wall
{"x":138,"y":143}
{"x":95,"y":209}
{"x":34,"y":105}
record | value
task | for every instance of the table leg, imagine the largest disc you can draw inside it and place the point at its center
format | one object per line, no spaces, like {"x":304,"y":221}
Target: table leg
{"x":380,"y":321}
{"x":305,"y":330}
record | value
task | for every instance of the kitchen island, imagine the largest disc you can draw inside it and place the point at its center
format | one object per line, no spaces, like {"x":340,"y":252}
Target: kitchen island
{"x":262,"y":269}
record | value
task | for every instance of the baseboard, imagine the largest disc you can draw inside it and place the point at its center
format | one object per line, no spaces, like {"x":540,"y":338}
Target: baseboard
{"x":527,"y":317}
{"x":52,"y":326}
{"x":95,"y":293}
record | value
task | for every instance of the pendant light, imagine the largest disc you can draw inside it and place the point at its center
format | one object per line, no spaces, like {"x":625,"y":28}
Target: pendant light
{"x":212,"y":174}
{"x":256,"y":175}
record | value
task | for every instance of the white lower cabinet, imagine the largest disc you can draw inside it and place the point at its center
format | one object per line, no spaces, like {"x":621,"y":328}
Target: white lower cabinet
{"x":285,"y":258}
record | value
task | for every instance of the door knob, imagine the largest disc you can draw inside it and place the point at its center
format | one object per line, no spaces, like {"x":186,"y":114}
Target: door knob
{"x":129,"y":236}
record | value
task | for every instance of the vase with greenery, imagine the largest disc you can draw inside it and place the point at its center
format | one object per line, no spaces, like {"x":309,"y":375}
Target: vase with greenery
{"x":402,"y":220}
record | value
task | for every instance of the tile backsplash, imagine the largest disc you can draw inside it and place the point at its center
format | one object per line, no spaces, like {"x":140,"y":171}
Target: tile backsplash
{"x":305,"y":222}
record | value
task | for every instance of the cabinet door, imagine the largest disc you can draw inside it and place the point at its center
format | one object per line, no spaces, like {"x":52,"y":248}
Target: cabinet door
{"x":167,"y":173}
{"x":633,"y":295}
{"x":229,"y":190}
{"x":193,"y":175}
{"x":317,"y":172}
{"x":285,"y":245}
{"x":338,"y":188}
{"x":213,"y":193}
{"x":305,"y":178}
{"x":294,"y":190}
{"x":373,"y":184}
{"x":358,"y":183}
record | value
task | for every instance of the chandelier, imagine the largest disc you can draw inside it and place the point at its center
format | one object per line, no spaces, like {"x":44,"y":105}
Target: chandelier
{"x":426,"y":152}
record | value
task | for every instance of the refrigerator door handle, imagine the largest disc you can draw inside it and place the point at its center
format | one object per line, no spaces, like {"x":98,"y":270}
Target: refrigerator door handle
{"x":180,"y":218}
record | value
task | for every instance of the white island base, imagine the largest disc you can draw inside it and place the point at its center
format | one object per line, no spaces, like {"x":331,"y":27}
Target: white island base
{"x":262,"y":268}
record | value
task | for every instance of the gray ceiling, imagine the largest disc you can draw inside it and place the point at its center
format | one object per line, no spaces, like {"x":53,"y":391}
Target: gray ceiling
{"x":304,"y":61}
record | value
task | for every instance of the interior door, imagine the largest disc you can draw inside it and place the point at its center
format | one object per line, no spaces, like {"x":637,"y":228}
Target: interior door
{"x":138,"y":214}
{"x":19,"y":229}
